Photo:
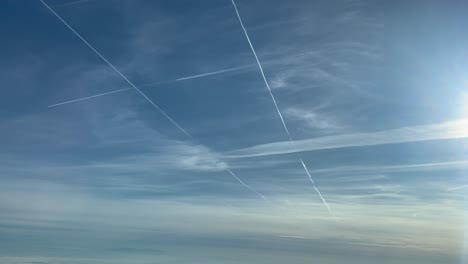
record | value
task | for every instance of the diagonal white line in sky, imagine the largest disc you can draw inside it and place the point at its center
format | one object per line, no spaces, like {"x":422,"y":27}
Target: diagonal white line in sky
{"x":136,"y":88}
{"x":89,"y":97}
{"x":116,"y":70}
{"x":276,"y":105}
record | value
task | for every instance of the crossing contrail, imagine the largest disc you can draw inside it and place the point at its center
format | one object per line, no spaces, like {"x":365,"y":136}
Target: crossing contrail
{"x":233,"y":69}
{"x":89,"y":97}
{"x":276,"y":106}
{"x":136,"y":88}
{"x":117,"y":70}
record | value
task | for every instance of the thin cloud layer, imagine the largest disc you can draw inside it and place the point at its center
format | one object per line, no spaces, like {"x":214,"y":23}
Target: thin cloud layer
{"x":447,"y":130}
{"x":107,"y":179}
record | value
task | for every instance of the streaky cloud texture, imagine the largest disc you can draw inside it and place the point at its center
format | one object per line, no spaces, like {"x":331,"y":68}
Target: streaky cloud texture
{"x":446,"y":130}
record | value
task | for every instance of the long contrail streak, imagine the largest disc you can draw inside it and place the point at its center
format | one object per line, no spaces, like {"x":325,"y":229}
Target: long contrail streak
{"x":211,"y":73}
{"x":89,"y":97}
{"x":200,"y":75}
{"x":192,"y":77}
{"x":276,"y":106}
{"x":261,"y":70}
{"x":151,"y":84}
{"x":136,"y":88}
{"x":116,"y":70}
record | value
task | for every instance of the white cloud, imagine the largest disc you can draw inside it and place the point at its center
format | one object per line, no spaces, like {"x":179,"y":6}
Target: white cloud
{"x":45,"y":206}
{"x":311,"y":118}
{"x":446,"y":130}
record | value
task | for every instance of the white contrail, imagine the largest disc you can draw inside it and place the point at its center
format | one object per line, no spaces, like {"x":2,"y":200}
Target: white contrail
{"x":457,"y":188}
{"x":212,"y":73}
{"x":261,"y":69}
{"x":307,"y":171}
{"x":316,"y":189}
{"x":89,"y":97}
{"x":200,"y":75}
{"x":136,"y":88}
{"x":343,"y":202}
{"x":116,"y":70}
{"x":276,"y":105}
{"x":151,"y":84}
{"x":247,"y":186}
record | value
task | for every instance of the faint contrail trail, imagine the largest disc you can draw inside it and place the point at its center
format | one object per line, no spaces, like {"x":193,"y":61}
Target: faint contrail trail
{"x":136,"y":88}
{"x":457,"y":188}
{"x":151,"y":84}
{"x":276,"y":106}
{"x":201,"y":75}
{"x":247,"y":186}
{"x":72,"y":3}
{"x":212,"y":73}
{"x":116,"y":70}
{"x":89,"y":97}
{"x":316,"y":189}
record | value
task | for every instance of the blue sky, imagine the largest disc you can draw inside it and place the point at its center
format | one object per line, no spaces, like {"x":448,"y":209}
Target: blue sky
{"x":374,"y":95}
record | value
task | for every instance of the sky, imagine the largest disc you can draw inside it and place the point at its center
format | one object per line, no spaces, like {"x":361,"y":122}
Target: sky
{"x":144,"y":131}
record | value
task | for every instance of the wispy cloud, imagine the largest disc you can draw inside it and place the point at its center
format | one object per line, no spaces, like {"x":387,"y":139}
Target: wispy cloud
{"x":370,"y":244}
{"x":446,"y":130}
{"x":70,"y":3}
{"x":434,"y":166}
{"x":312,"y":118}
{"x":358,"y":178}
{"x":46,"y":206}
{"x":458,"y":188}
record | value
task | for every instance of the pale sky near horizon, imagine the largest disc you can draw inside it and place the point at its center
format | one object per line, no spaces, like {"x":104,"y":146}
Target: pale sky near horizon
{"x":373,"y":93}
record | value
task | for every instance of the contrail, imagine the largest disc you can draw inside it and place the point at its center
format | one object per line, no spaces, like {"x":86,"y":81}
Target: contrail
{"x":457,"y":188}
{"x":117,"y":70}
{"x":276,"y":105}
{"x":247,"y":186}
{"x":316,"y":189}
{"x":307,"y":171}
{"x":200,"y":75}
{"x":212,"y":73}
{"x":261,"y":70}
{"x":151,"y":84}
{"x":204,"y":74}
{"x":136,"y":88}
{"x":89,"y":97}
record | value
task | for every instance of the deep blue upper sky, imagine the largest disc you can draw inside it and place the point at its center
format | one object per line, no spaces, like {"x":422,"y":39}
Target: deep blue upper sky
{"x":374,"y":93}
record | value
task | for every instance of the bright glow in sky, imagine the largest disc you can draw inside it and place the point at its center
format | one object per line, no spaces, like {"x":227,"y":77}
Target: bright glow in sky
{"x":163,"y":144}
